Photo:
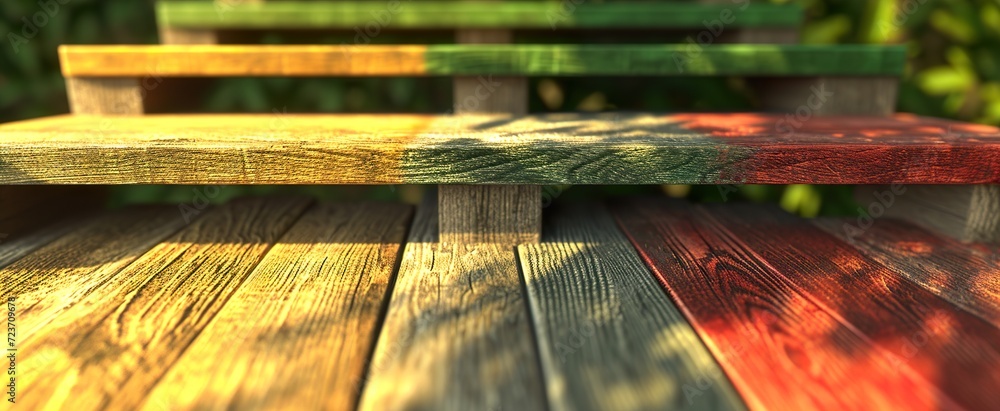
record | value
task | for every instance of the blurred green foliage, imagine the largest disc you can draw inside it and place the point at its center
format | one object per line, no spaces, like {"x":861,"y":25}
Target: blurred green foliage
{"x":953,"y":72}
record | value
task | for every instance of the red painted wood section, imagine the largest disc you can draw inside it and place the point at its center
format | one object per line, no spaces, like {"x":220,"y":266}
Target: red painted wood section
{"x":967,"y":276}
{"x":851,"y":150}
{"x":950,"y":348}
{"x":780,"y":348}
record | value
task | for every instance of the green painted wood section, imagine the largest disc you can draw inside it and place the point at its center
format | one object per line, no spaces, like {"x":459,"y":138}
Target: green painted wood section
{"x":407,"y":14}
{"x":687,"y":59}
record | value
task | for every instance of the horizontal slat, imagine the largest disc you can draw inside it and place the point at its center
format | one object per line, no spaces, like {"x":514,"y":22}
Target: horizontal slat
{"x":465,"y":59}
{"x":447,"y":14}
{"x":494,"y":149}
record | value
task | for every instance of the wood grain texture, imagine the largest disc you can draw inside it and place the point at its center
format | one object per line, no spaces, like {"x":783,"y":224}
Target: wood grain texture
{"x":500,"y":214}
{"x":299,"y":331}
{"x":109,"y":349}
{"x":482,"y":59}
{"x":54,"y":278}
{"x":607,"y":148}
{"x":457,"y":334}
{"x":779,"y":347}
{"x":119,"y":96}
{"x":948,"y":347}
{"x":965,"y":276}
{"x":450,"y":14}
{"x":14,"y":248}
{"x":969,"y":213}
{"x":608,"y":336}
{"x":828,"y":96}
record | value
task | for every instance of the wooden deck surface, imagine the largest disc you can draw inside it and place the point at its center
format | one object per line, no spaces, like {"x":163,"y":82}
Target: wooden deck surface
{"x":641,"y":304}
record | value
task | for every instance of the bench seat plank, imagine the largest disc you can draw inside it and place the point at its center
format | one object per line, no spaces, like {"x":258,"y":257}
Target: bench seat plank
{"x":482,"y":15}
{"x":495,"y":149}
{"x":457,"y":333}
{"x":960,"y":273}
{"x":781,"y":349}
{"x":608,"y":336}
{"x":108,"y":350}
{"x":319,"y":291}
{"x":481,"y":59}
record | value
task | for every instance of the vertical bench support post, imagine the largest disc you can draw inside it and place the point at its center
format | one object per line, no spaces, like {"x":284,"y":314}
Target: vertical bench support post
{"x":489,"y":213}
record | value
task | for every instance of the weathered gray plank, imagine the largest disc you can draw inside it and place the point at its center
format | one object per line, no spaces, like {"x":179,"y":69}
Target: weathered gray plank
{"x":457,"y":334}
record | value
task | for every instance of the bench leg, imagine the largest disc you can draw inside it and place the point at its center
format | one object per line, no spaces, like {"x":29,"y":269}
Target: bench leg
{"x":489,"y":213}
{"x":104,"y":95}
{"x":171,"y":35}
{"x":969,"y":213}
{"x":507,"y":214}
{"x":828,"y":96}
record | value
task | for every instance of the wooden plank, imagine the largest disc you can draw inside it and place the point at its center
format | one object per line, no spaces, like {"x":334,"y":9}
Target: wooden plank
{"x":55,"y":277}
{"x":828,"y":96}
{"x":457,"y":334}
{"x":472,"y":15}
{"x":474,"y":60}
{"x":779,"y":347}
{"x":497,"y":214}
{"x":608,"y":336}
{"x":956,"y":272}
{"x":491,"y":149}
{"x":108,"y":350}
{"x":320,"y":290}
{"x":923,"y":332}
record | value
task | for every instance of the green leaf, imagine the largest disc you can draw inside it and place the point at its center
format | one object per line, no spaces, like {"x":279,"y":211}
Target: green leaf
{"x":944,"y":79}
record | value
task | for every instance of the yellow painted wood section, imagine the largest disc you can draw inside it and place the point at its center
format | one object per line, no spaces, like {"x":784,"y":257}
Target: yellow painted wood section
{"x":54,"y":278}
{"x":299,"y":332}
{"x":457,"y":335}
{"x":108,"y":350}
{"x":608,"y":336}
{"x":193,"y":149}
{"x":222,"y":60}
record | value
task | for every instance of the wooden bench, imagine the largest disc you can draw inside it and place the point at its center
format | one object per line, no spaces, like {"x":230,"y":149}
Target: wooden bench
{"x":467,"y":302}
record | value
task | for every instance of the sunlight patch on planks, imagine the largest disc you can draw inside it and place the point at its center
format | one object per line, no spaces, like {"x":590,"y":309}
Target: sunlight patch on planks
{"x":608,"y":335}
{"x":298,"y":332}
{"x":109,"y":349}
{"x":967,"y":275}
{"x":54,"y":278}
